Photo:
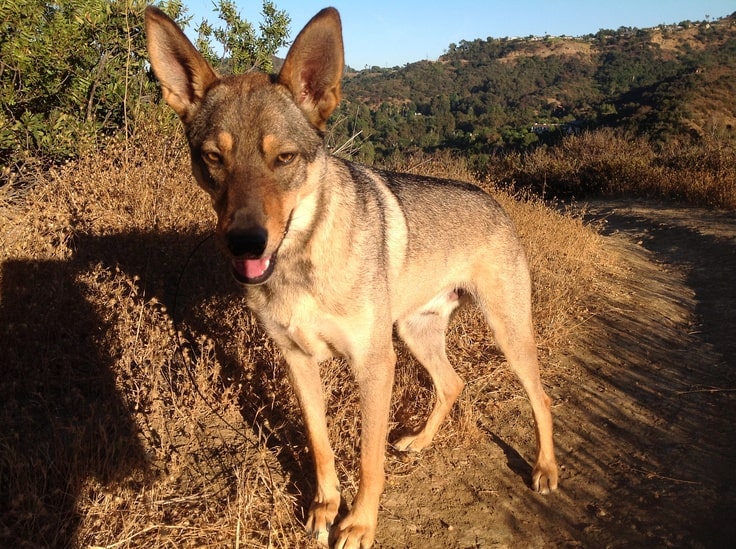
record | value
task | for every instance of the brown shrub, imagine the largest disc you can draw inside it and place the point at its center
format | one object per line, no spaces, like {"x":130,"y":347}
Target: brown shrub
{"x":608,"y":162}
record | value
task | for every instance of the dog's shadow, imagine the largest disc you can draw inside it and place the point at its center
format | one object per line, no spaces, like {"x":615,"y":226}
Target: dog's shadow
{"x":514,"y":460}
{"x":64,"y":419}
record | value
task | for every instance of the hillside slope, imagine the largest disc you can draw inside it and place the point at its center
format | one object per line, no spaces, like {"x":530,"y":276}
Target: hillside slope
{"x":675,"y":81}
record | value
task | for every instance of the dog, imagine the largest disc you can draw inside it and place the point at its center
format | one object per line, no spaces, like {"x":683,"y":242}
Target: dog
{"x":333,"y":254}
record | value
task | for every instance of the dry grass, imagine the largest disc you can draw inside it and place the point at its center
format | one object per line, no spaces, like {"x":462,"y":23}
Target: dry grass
{"x":608,"y":162}
{"x":142,"y":406}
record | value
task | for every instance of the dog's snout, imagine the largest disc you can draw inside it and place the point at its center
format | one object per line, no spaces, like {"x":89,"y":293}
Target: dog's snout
{"x":247,"y":242}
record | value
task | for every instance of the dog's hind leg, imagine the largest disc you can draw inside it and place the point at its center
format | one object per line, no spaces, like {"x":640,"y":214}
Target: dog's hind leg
{"x":424,"y":334}
{"x":504,"y":295}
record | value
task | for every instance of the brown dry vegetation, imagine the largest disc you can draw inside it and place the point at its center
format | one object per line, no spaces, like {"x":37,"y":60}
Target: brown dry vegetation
{"x":141,"y":405}
{"x":673,"y":41}
{"x":612,"y":163}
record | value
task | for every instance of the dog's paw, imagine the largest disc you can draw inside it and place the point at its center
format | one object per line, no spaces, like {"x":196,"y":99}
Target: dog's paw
{"x":412,"y":443}
{"x":544,"y":477}
{"x":321,"y":517}
{"x":353,"y":533}
{"x":322,"y":536}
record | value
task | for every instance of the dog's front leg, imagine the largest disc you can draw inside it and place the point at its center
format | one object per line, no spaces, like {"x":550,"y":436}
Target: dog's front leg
{"x":375,"y":378}
{"x":305,"y":378}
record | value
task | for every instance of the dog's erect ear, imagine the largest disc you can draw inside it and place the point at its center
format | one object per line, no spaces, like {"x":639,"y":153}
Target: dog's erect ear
{"x":313,"y":67}
{"x":184,"y":74}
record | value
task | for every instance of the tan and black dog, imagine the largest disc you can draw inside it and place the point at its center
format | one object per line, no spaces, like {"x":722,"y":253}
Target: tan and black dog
{"x":333,"y":254}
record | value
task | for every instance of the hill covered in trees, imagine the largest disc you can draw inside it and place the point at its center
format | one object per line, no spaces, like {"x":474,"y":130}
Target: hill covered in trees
{"x":74,"y":78}
{"x":482,"y":96}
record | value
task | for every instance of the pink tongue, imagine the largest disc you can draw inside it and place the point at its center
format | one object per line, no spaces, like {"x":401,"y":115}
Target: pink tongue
{"x":252,"y":268}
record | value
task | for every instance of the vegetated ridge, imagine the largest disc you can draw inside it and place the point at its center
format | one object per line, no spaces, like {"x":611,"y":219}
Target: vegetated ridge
{"x":671,"y":82}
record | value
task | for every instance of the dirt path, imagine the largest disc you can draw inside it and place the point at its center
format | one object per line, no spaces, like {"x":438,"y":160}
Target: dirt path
{"x":644,"y":414}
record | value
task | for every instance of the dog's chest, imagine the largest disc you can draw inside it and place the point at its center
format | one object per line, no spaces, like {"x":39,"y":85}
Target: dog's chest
{"x":299,"y":322}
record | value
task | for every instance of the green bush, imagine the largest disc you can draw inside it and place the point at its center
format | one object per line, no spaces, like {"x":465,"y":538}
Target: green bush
{"x":75,"y":72}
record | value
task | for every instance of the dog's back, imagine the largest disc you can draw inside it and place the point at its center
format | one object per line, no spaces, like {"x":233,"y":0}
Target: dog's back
{"x":442,"y":232}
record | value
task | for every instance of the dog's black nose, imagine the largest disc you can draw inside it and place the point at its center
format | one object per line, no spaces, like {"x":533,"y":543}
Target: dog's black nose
{"x":247,"y":242}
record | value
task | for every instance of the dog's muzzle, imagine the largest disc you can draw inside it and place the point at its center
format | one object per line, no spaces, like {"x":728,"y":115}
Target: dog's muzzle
{"x":247,"y":247}
{"x":249,"y":264}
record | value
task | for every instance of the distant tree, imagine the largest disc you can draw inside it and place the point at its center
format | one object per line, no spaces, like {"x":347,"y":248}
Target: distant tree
{"x":485,"y":95}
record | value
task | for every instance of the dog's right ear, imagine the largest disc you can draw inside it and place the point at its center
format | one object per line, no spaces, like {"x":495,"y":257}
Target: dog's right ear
{"x":184,"y":74}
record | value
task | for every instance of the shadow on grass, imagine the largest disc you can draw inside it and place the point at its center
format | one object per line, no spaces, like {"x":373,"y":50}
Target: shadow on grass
{"x":64,"y":418}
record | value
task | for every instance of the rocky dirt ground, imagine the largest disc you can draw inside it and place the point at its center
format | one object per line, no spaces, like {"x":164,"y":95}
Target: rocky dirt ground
{"x":644,"y":412}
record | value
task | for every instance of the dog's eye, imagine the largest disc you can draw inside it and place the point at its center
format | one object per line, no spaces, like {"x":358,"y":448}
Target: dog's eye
{"x":211,"y":157}
{"x":285,"y":158}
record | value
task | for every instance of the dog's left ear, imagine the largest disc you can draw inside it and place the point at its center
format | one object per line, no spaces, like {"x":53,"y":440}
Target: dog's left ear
{"x":313,"y":67}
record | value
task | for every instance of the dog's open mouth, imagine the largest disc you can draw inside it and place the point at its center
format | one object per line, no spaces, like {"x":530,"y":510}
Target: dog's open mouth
{"x":253,"y":271}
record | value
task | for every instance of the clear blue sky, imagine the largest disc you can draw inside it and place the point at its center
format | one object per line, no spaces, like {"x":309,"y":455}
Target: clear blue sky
{"x":391,"y":33}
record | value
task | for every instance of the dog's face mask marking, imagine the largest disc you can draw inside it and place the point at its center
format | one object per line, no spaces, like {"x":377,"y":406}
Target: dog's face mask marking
{"x":251,"y":148}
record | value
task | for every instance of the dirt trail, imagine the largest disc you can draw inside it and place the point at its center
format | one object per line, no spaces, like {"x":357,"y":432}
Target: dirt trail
{"x":644,"y":414}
